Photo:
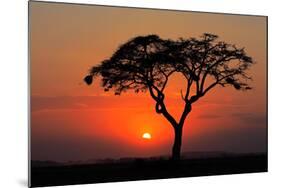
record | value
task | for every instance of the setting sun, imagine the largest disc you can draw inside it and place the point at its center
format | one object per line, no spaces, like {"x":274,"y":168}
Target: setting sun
{"x":146,"y":136}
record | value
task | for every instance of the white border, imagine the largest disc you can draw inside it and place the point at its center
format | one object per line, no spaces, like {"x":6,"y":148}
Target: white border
{"x":13,"y":93}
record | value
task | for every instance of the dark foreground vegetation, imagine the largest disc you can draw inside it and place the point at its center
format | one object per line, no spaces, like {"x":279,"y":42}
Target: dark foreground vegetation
{"x":143,"y":169}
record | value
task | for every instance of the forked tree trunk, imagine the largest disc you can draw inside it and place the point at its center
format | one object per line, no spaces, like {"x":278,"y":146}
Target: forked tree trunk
{"x":160,"y":108}
{"x":177,"y":143}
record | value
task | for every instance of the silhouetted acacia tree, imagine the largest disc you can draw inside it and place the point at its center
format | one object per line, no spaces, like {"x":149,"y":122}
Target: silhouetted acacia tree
{"x":145,"y":63}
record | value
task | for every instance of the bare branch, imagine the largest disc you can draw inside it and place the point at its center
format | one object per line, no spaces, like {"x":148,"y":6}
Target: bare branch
{"x":187,"y":109}
{"x":183,"y":98}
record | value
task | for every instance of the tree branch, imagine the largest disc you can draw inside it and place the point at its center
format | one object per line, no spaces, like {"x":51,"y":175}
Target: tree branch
{"x":209,"y":68}
{"x":182,"y":95}
{"x":217,"y":82}
{"x":160,"y":105}
{"x":187,"y":109}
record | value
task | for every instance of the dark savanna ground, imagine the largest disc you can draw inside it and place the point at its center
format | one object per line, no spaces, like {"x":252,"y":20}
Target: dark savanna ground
{"x":51,"y":174}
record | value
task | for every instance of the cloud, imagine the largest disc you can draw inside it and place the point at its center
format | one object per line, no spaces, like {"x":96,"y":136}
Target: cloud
{"x":251,"y":118}
{"x":40,"y":103}
{"x":209,"y":116}
{"x":82,"y":105}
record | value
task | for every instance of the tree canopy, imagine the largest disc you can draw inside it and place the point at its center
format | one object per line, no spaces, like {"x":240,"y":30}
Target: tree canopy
{"x":146,"y":62}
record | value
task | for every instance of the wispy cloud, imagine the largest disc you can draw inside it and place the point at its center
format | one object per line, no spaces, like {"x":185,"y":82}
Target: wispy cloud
{"x":208,"y":116}
{"x":253,"y":118}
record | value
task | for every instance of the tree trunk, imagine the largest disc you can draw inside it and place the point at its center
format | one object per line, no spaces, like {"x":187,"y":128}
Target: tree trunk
{"x":177,"y":143}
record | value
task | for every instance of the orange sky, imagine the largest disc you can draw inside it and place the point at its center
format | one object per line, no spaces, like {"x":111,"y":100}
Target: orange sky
{"x":72,"y":121}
